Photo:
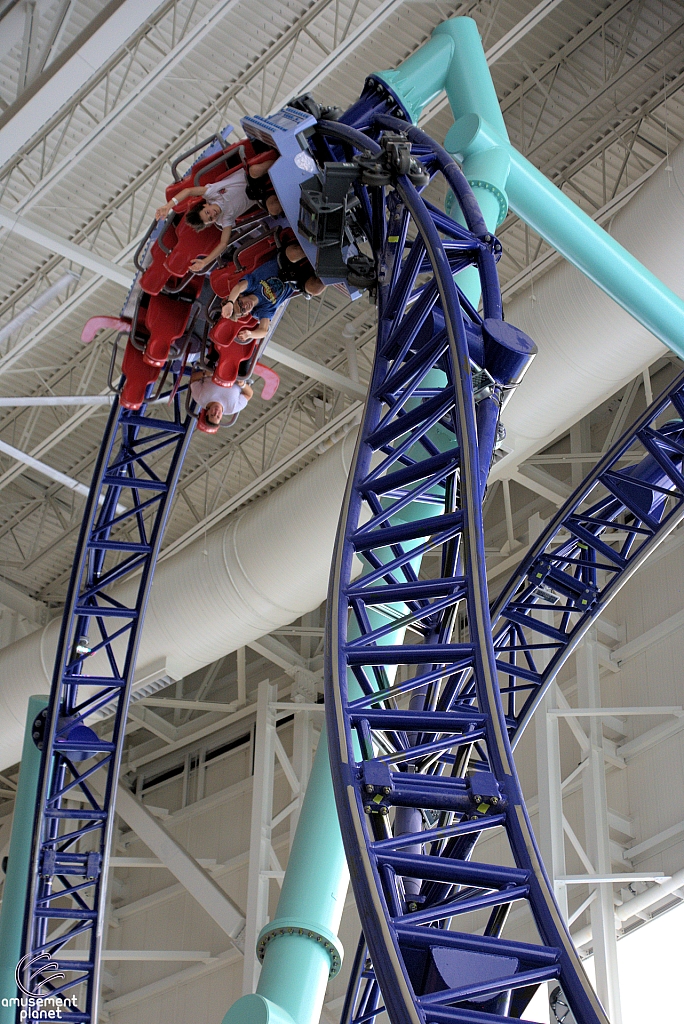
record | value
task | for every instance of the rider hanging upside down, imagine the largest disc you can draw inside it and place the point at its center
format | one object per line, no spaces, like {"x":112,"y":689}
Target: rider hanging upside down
{"x":216,"y":401}
{"x":259,"y":293}
{"x":263,"y":290}
{"x":223,"y":202}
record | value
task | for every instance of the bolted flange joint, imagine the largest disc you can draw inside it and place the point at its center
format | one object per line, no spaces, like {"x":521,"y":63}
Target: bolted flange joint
{"x":289,"y":926}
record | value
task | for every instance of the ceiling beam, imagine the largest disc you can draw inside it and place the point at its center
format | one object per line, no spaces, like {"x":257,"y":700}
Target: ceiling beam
{"x":502,"y":46}
{"x":170,"y":981}
{"x":152,"y":80}
{"x":310,"y":368}
{"x":54,"y":243}
{"x":51,"y":474}
{"x":183,"y":865}
{"x":279,"y":653}
{"x":343,"y":51}
{"x":350,"y":416}
{"x":55,"y":400}
{"x":16,"y":600}
{"x":540,"y":482}
{"x":75,"y":66}
{"x":54,"y":319}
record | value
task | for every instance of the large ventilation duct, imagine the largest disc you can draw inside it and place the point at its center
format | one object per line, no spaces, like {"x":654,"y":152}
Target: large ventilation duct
{"x":270,"y":564}
{"x":266,"y":567}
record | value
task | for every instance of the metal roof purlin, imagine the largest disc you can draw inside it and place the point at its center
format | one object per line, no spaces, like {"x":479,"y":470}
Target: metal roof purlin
{"x":107,"y":33}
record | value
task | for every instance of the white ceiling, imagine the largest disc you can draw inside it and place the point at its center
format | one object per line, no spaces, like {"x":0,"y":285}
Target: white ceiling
{"x":592,"y":94}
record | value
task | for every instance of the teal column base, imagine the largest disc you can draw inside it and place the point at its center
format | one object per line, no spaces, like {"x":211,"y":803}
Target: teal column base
{"x":16,"y":880}
{"x":299,"y":948}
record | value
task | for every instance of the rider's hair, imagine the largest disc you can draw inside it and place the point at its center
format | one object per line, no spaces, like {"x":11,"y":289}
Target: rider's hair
{"x":193,"y":217}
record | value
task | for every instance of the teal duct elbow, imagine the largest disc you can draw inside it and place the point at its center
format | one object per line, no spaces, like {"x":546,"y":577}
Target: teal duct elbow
{"x":422,"y":76}
{"x":469,"y":88}
{"x":453,"y":60}
{"x":562,"y":224}
{"x":16,"y":880}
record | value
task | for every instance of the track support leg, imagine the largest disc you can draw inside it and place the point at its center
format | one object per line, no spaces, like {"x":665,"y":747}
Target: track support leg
{"x":596,"y":829}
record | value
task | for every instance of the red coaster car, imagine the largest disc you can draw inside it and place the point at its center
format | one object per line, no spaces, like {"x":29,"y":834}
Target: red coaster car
{"x":231,"y":351}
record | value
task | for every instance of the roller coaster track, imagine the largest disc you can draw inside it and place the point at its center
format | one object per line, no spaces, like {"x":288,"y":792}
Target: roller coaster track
{"x":420,"y":729}
{"x":445,"y":760}
{"x":130,"y":498}
{"x":603,"y":534}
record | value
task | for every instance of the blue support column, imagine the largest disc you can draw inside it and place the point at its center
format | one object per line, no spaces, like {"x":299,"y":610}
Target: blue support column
{"x":16,"y":880}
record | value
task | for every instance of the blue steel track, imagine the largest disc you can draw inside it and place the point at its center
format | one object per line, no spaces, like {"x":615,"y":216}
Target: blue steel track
{"x":603,"y":534}
{"x":130,"y":498}
{"x":420,"y":730}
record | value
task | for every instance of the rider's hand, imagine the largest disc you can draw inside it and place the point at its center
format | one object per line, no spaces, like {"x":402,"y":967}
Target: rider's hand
{"x":163,"y":211}
{"x":197,"y":265}
{"x":244,"y":335}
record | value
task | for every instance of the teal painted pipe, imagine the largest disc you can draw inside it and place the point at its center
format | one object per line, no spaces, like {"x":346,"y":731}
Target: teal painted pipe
{"x":300,"y":946}
{"x":16,"y":881}
{"x":478,"y":140}
{"x":453,"y":60}
{"x":422,"y":76}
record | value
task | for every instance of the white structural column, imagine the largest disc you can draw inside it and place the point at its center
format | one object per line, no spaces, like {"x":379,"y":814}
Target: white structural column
{"x":51,"y":474}
{"x":302,"y":758}
{"x":550,"y":829}
{"x":260,"y":849}
{"x":597,"y":840}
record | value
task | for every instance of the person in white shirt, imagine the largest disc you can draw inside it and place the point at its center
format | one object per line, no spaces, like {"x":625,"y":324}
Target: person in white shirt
{"x":224,"y":201}
{"x":218,"y":401}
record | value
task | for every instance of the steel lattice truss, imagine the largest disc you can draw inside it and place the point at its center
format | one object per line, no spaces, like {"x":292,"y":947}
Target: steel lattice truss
{"x":596,"y":542}
{"x":432,"y":747}
{"x":94,"y":669}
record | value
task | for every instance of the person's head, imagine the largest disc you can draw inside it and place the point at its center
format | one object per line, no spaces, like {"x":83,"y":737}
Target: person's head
{"x":204,"y":425}
{"x":245,"y":303}
{"x":202,"y":215}
{"x":214,"y":414}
